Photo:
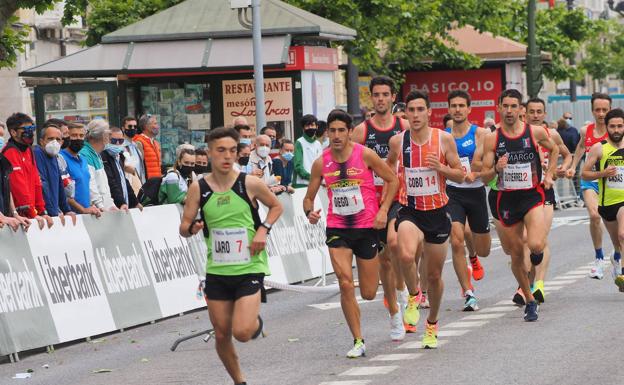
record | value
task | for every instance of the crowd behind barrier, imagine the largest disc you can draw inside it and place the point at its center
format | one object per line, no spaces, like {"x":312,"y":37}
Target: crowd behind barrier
{"x":123,"y":269}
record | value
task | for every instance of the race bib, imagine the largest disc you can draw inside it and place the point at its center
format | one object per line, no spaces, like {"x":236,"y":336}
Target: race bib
{"x":465,"y":162}
{"x":617,"y":181}
{"x":347,"y":200}
{"x":230,"y":246}
{"x":421,"y":181}
{"x":517,"y":176}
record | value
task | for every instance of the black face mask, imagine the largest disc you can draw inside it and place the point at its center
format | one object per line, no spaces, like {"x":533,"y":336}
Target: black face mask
{"x":243,"y":160}
{"x":65,"y":143}
{"x":311,"y":132}
{"x":76,"y":145}
{"x":185,"y":171}
{"x":130,"y":132}
{"x":200,"y":169}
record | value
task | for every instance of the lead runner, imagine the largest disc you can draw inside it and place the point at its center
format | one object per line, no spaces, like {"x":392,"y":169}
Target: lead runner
{"x":353,"y":217}
{"x":227,"y":201}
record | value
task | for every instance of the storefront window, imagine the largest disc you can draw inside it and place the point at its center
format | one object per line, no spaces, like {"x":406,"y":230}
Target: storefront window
{"x":79,"y":107}
{"x":183,"y":112}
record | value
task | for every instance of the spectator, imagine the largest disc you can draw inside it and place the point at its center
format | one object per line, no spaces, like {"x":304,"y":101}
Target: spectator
{"x":283,"y":165}
{"x":272,"y":134}
{"x":399,"y":110}
{"x":567,"y":116}
{"x":7,"y":209}
{"x":447,"y":120}
{"x":135,"y":167}
{"x":2,"y":140}
{"x":240,"y":121}
{"x":307,"y":149}
{"x":242,"y":158}
{"x":79,"y":171}
{"x":569,"y":134}
{"x":46,"y":155}
{"x":148,"y":146}
{"x":113,"y":160}
{"x":25,"y":182}
{"x":246,"y":134}
{"x":68,"y":182}
{"x":175,"y":183}
{"x":96,"y":139}
{"x":201,"y":162}
{"x":261,"y":162}
{"x":321,"y":134}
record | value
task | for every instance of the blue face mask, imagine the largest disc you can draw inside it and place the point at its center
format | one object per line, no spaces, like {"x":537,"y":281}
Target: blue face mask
{"x":1,"y":141}
{"x":114,"y":149}
{"x":246,"y":141}
{"x":288,"y":156}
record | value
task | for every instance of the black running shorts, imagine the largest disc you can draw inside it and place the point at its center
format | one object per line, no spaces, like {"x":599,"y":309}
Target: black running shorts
{"x":363,"y":242}
{"x":435,"y":224}
{"x":492,"y":202}
{"x":609,"y":213}
{"x":549,"y":197}
{"x":233,"y":287}
{"x":512,"y":206}
{"x":469,"y":203}
{"x":383,"y":233}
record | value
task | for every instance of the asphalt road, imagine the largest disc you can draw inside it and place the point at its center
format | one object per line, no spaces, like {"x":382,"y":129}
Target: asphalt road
{"x":577,"y":340}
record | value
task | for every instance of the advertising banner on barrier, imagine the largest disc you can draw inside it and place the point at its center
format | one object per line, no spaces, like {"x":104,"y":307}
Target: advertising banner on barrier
{"x":65,"y":264}
{"x":25,"y":321}
{"x":170,"y":263}
{"x":123,"y":267}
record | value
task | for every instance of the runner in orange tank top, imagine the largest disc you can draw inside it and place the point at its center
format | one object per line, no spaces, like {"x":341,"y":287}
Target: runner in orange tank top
{"x":426,"y":157}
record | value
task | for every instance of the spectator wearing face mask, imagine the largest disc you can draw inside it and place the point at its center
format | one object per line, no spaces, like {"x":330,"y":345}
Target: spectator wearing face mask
{"x":2,"y":139}
{"x":46,"y":155}
{"x":148,"y":146}
{"x":283,"y":165}
{"x":569,"y":134}
{"x":175,"y":183}
{"x":246,"y":135}
{"x":242,"y":158}
{"x":134,"y":162}
{"x":96,"y":139}
{"x":201,"y":162}
{"x":114,"y":163}
{"x":261,"y":162}
{"x":307,"y":149}
{"x":25,"y":181}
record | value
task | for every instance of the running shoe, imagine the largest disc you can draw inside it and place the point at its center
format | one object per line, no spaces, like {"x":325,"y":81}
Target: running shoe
{"x":402,"y":296}
{"x":616,"y":269}
{"x":597,"y":271}
{"x":538,"y":291}
{"x":463,"y":293}
{"x":411,"y":314}
{"x":530,"y":311}
{"x":424,"y":301}
{"x":619,"y":281}
{"x":518,"y":298}
{"x":409,"y":328}
{"x":397,"y":331}
{"x":477,"y":268}
{"x":358,"y":350}
{"x":430,"y":338}
{"x":471,"y":303}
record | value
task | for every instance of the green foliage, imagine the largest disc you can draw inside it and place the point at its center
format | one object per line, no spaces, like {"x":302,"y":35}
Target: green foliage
{"x":106,"y":16}
{"x":12,"y":42}
{"x":604,"y":52}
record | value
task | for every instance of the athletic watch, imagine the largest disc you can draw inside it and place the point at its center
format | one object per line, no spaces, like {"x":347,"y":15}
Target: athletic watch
{"x":267,"y":226}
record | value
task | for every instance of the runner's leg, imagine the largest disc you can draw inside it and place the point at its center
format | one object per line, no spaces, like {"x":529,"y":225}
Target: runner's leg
{"x":386,"y":274}
{"x":221,"y":314}
{"x":459,"y":255}
{"x":409,"y":237}
{"x":245,"y":321}
{"x":435,"y":254}
{"x":542,"y":268}
{"x":595,"y":230}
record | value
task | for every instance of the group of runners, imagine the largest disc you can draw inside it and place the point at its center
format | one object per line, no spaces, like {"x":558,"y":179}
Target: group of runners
{"x":398,"y":189}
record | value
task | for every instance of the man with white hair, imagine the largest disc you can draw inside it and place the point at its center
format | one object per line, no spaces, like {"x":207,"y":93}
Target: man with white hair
{"x":96,"y":139}
{"x":260,"y":161}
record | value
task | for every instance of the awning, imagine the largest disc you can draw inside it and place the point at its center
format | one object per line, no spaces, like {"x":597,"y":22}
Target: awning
{"x":109,"y":60}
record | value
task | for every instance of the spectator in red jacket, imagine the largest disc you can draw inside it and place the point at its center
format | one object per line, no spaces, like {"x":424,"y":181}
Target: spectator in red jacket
{"x":24,"y":181}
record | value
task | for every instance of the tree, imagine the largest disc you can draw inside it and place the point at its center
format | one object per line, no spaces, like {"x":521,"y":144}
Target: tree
{"x":604,"y":52}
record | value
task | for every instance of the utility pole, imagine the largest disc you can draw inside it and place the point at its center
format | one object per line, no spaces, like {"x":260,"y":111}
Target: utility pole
{"x":572,"y":62}
{"x":533,"y":64}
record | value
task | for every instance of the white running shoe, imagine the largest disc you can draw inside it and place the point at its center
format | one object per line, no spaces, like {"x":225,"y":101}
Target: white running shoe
{"x":597,"y":271}
{"x":397,"y":331}
{"x":358,"y":350}
{"x":402,"y":298}
{"x":616,"y":269}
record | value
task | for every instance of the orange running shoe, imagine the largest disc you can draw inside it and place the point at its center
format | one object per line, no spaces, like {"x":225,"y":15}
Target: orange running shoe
{"x":477,"y":269}
{"x":409,"y":328}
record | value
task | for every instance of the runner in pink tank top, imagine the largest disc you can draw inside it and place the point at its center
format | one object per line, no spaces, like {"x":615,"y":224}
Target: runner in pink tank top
{"x":353,"y":215}
{"x":351,"y":191}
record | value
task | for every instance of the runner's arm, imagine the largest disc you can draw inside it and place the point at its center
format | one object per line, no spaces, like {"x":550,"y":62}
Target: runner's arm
{"x":593,"y":156}
{"x":488,"y":171}
{"x":259,"y":191}
{"x":358,"y":133}
{"x":315,"y":183}
{"x":189,"y":226}
{"x":542,"y":138}
{"x":578,"y":153}
{"x":453,"y":170}
{"x":563,"y":151}
{"x":381,"y":168}
{"x":477,"y":158}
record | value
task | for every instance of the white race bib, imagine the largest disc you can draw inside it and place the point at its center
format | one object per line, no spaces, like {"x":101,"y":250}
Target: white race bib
{"x":421,"y":181}
{"x":517,"y":176}
{"x":230,"y":246}
{"x":617,"y":181}
{"x":347,"y":200}
{"x":465,"y":162}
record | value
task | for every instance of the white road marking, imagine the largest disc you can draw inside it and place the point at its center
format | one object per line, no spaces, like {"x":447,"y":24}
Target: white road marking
{"x":369,"y":370}
{"x":418,"y":344}
{"x":336,"y":305}
{"x":562,"y":281}
{"x":349,"y":382}
{"x":498,"y":309}
{"x":552,"y":288}
{"x":396,"y":357}
{"x":465,"y":324}
{"x":504,"y":302}
{"x":483,"y":316}
{"x":574,"y":275}
{"x":452,"y":333}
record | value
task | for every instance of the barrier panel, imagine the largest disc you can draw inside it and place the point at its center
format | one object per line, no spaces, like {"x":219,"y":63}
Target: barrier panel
{"x":123,"y":269}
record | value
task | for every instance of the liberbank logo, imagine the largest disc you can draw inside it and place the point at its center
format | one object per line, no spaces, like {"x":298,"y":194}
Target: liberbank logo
{"x":69,"y":282}
{"x":18,"y":290}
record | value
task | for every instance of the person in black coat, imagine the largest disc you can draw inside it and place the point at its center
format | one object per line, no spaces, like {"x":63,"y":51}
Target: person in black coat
{"x":113,"y":159}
